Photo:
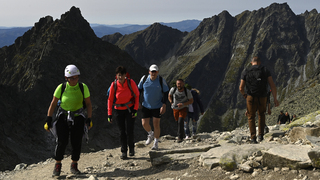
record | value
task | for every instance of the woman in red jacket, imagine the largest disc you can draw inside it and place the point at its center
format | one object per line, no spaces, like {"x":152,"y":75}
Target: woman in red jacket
{"x":124,"y":96}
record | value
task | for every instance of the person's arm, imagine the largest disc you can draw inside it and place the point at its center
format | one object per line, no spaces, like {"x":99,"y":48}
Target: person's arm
{"x":137,"y":93}
{"x":89,"y":107}
{"x":170,"y":98}
{"x":273,"y":91}
{"x":110,"y":99}
{"x":164,"y":102}
{"x":269,"y":108}
{"x":52,"y":106}
{"x":241,"y":88}
{"x":185,"y":103}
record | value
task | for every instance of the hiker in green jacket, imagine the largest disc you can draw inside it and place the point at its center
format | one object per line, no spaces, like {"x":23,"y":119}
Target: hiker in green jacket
{"x":70,"y":118}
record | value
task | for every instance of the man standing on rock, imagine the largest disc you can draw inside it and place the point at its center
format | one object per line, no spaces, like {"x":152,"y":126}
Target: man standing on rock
{"x":256,"y":79}
{"x":180,"y":97}
{"x":154,"y":92}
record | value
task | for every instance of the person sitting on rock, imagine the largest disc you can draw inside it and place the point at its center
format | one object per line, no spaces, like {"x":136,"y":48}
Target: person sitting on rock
{"x":281,"y":118}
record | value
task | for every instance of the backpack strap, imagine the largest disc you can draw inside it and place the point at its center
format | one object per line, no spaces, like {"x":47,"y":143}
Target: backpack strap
{"x":115,"y":92}
{"x":185,"y":91}
{"x":82,"y":90}
{"x":129,"y":84}
{"x":115,"y":89}
{"x":160,"y":79}
{"x":62,"y":89}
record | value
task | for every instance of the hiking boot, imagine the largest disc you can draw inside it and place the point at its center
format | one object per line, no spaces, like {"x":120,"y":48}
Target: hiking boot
{"x":123,"y":156}
{"x":74,"y":168}
{"x":260,"y":138}
{"x":253,"y":141}
{"x":150,"y":138}
{"x":187,"y":137}
{"x":179,"y":140}
{"x":57,"y":169}
{"x":131,"y":152}
{"x":155,"y":146}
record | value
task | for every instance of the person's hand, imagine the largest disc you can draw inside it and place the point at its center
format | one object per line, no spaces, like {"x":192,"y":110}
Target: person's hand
{"x":110,"y":119}
{"x":89,"y":123}
{"x":134,"y":113}
{"x":163,"y":109}
{"x":246,"y":113}
{"x":276,"y":103}
{"x":180,"y":105}
{"x":48,"y":124}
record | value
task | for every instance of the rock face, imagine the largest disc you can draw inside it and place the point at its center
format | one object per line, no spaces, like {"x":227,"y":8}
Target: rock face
{"x":212,"y":57}
{"x":33,"y":67}
{"x":152,"y":44}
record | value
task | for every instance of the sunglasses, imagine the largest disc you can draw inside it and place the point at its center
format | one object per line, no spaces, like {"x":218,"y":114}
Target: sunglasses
{"x":73,"y":78}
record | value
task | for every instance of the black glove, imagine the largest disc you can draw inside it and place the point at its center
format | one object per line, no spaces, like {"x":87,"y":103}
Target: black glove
{"x":89,"y":122}
{"x":133,"y":111}
{"x":110,"y":118}
{"x":49,"y":121}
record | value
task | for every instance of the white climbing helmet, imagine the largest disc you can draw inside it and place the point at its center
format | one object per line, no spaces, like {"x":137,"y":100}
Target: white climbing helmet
{"x":71,"y":70}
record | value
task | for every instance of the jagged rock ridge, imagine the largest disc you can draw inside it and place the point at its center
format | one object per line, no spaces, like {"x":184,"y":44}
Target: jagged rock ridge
{"x":31,"y":69}
{"x":212,"y":57}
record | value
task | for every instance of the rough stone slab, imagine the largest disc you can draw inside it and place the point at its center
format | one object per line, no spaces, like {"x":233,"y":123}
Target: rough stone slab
{"x":171,"y":157}
{"x":229,"y":160}
{"x":314,"y":155}
{"x":246,"y":167}
{"x":230,"y":155}
{"x":301,"y":132}
{"x":275,"y":133}
{"x":155,"y":154}
{"x":292,"y":156}
{"x":216,"y":153}
{"x":314,"y":140}
{"x":210,"y":163}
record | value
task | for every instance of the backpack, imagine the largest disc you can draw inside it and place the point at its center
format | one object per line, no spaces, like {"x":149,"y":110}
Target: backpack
{"x":256,"y":81}
{"x":81,"y":88}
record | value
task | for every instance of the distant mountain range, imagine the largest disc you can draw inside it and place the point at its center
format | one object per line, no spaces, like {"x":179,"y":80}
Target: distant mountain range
{"x":9,"y":34}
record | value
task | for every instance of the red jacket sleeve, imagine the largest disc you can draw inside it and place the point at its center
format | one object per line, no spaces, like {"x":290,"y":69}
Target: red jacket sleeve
{"x":136,"y":92}
{"x":110,"y":99}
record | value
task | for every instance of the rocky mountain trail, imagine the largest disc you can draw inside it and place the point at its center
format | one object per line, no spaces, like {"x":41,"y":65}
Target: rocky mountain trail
{"x":285,"y":153}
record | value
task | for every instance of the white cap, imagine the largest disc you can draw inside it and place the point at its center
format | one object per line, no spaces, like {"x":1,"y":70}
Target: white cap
{"x":153,"y":67}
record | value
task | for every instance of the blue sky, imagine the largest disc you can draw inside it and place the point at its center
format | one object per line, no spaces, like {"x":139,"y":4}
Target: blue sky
{"x":27,"y":12}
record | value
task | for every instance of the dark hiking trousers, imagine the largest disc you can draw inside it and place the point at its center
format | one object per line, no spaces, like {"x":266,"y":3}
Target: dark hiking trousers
{"x":256,"y":104}
{"x":181,"y":128}
{"x":126,"y":126}
{"x":75,"y":132}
